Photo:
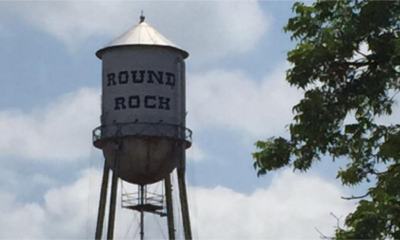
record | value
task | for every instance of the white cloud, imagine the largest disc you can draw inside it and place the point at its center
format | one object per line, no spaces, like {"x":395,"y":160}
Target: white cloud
{"x":292,"y":202}
{"x":40,"y":179}
{"x":232,"y":100}
{"x":60,"y":131}
{"x":216,"y":99}
{"x":196,"y":153}
{"x":204,"y":28}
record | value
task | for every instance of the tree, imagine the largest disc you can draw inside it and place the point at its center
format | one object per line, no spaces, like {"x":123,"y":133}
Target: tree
{"x":340,"y":82}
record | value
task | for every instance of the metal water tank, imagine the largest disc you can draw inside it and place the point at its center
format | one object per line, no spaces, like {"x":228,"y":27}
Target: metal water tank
{"x":143,"y":129}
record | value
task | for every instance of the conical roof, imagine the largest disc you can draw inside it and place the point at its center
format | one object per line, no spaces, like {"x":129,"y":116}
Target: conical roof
{"x":141,"y":34}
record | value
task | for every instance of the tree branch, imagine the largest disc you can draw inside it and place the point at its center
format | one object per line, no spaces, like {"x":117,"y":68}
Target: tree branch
{"x":394,"y":95}
{"x":362,"y":54}
{"x":357,"y":64}
{"x":356,"y":197}
{"x":392,"y":167}
{"x":322,"y":236}
{"x":337,"y":220}
{"x":393,"y":68}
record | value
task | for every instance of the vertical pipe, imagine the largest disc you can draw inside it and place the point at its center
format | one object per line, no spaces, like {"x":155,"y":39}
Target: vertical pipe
{"x":170,"y":210}
{"x":182,"y":166}
{"x":141,"y":212}
{"x":102,"y":202}
{"x":182,"y":78}
{"x":113,"y":201}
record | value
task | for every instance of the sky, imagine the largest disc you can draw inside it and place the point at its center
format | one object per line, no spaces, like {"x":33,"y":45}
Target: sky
{"x":50,"y":173}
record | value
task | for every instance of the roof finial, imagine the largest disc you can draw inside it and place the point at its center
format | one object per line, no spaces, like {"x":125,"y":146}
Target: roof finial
{"x":142,"y":17}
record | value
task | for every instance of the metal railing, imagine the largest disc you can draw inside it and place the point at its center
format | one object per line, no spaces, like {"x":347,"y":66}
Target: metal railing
{"x":164,"y":129}
{"x":133,"y":199}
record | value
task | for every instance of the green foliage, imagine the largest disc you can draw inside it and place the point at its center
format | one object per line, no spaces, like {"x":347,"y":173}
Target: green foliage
{"x":341,"y":82}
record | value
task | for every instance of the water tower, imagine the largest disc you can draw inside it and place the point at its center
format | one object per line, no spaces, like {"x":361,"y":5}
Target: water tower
{"x":143,"y":133}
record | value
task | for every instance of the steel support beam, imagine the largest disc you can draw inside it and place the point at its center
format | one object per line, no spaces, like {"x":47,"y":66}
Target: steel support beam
{"x":184,"y":204}
{"x":170,"y":210}
{"x":102,"y":203}
{"x":113,"y":201}
{"x":141,"y":212}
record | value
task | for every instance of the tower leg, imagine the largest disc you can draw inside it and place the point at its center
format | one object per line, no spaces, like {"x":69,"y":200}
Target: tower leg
{"x":170,"y":210}
{"x":102,"y":202}
{"x":184,"y":204}
{"x":141,"y":212}
{"x":113,"y":200}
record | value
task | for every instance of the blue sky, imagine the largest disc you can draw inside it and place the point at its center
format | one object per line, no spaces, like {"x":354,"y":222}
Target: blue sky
{"x":50,"y":102}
